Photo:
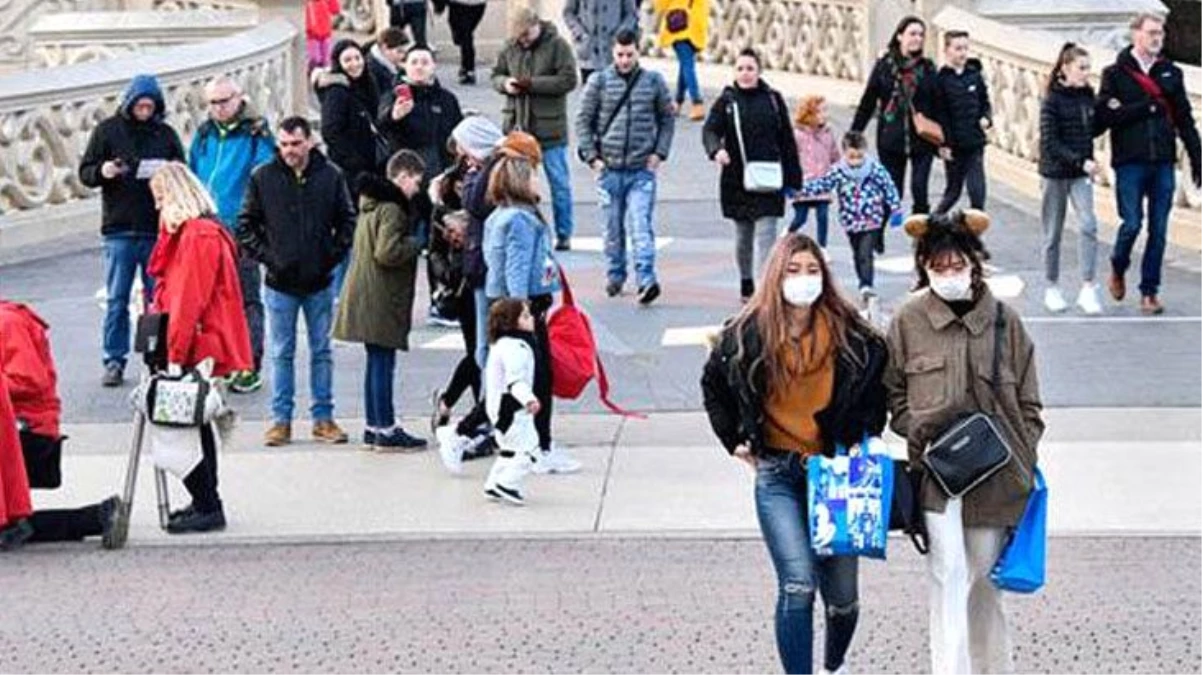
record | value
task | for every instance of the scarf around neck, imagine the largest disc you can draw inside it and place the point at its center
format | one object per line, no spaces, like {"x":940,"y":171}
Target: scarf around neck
{"x":908,"y":73}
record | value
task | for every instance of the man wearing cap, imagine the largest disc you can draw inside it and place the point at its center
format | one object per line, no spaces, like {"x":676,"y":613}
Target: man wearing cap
{"x":123,"y":152}
{"x":536,"y":71}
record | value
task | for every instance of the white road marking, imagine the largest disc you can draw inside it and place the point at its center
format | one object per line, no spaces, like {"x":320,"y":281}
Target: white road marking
{"x":1112,"y":319}
{"x":451,"y":342}
{"x":597,"y":244}
{"x":897,"y":264}
{"x":1006,"y":285}
{"x":688,"y":336}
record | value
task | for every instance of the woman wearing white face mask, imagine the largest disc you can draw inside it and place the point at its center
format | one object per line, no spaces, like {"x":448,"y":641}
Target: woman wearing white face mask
{"x":794,"y":374}
{"x":941,"y":357}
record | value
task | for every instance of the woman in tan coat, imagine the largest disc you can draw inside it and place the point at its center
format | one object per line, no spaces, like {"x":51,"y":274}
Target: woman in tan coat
{"x":376,"y":305}
{"x":941,"y":348}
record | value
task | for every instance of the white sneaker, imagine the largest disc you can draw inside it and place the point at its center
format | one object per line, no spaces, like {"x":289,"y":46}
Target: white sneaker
{"x":1053,"y":299}
{"x":558,"y":460}
{"x":1088,"y":300}
{"x":451,"y":447}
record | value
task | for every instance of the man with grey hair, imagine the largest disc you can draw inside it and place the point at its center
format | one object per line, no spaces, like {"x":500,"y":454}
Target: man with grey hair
{"x":1142,"y":102}
{"x":536,"y":71}
{"x":225,"y":150}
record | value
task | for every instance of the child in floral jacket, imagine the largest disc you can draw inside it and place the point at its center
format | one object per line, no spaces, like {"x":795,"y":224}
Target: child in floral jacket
{"x":867,"y":200}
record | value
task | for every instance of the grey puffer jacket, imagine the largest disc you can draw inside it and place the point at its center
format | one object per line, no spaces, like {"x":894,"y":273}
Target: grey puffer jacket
{"x":594,"y":23}
{"x":643,"y":126}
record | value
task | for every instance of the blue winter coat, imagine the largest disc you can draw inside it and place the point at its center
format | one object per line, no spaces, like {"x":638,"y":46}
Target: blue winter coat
{"x":517,"y":251}
{"x":223,"y":157}
{"x":867,"y":196}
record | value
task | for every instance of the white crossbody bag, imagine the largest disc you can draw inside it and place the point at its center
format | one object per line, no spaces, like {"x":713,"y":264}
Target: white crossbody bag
{"x":757,"y":176}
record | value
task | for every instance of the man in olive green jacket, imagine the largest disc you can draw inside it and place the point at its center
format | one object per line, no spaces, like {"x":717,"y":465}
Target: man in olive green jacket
{"x":536,"y":71}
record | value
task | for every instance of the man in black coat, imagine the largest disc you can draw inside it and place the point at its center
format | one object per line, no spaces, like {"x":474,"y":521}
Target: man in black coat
{"x":298,"y":221}
{"x":962,"y":108}
{"x":122,"y":153}
{"x":1142,"y":101}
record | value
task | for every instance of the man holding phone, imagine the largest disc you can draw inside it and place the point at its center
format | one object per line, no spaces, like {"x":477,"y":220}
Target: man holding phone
{"x":122,"y":153}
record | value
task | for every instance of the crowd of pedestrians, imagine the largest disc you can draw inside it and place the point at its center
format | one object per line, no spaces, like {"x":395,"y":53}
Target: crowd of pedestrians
{"x":256,"y":226}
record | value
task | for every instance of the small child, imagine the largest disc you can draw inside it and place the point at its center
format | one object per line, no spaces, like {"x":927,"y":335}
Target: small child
{"x":319,"y":28}
{"x":867,"y":199}
{"x":509,"y":398}
{"x":818,"y":152}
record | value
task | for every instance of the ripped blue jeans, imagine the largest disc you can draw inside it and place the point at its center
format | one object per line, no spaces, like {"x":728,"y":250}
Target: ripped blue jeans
{"x":780,"y":503}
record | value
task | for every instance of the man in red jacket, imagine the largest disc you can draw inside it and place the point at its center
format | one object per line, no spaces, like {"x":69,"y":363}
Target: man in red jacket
{"x":29,"y":402}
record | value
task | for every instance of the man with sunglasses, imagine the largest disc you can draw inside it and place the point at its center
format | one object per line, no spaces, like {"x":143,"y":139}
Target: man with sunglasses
{"x":225,"y":150}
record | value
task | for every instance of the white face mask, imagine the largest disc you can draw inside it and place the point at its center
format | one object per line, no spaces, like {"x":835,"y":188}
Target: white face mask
{"x":952,"y":287}
{"x":801,"y":290}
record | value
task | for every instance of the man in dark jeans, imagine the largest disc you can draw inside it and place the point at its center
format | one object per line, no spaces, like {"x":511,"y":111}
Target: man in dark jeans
{"x":1143,"y":103}
{"x":123,"y":151}
{"x":963,"y":109}
{"x":410,"y":13}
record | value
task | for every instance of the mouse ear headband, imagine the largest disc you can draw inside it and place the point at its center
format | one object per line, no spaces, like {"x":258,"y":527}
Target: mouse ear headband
{"x":973,"y":220}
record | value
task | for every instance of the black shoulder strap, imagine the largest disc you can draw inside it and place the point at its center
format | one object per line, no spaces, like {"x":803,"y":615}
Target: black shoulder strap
{"x":621,"y":102}
{"x":999,"y":336}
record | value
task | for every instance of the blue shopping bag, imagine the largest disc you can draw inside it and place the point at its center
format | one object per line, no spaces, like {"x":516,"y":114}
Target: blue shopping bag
{"x":849,"y":500}
{"x":1022,"y":566}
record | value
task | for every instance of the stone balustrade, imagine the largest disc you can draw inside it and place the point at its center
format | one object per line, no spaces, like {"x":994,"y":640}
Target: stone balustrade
{"x":78,"y":37}
{"x":46,"y":117}
{"x":1017,"y":63}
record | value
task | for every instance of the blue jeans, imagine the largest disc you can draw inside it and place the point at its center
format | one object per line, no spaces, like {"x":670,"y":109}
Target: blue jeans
{"x":801,"y":213}
{"x":555,"y":163}
{"x":627,"y":201}
{"x":124,"y":254}
{"x":1133,"y":183}
{"x":377,"y":387}
{"x":781,"y":505}
{"x":686,"y":80}
{"x":282,"y":310}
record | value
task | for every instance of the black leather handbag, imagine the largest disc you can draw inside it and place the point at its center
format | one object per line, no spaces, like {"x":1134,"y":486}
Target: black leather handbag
{"x":905,"y":514}
{"x":973,"y":449}
{"x":43,"y":460}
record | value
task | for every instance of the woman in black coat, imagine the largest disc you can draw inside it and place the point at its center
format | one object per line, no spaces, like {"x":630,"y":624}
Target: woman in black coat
{"x":348,"y":104}
{"x":767,"y":136}
{"x":900,"y":84}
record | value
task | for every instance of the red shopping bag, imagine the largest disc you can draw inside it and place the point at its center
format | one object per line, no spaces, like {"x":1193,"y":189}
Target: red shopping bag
{"x":574,"y":356}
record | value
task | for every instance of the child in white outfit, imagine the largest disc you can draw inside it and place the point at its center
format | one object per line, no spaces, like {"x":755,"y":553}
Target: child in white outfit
{"x":509,"y":398}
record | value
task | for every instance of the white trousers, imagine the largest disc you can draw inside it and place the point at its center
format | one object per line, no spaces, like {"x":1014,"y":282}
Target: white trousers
{"x":968,"y":626}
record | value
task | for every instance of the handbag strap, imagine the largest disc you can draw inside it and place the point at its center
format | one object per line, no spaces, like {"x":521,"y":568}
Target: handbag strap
{"x":739,"y":131}
{"x":999,"y":337}
{"x":621,"y":102}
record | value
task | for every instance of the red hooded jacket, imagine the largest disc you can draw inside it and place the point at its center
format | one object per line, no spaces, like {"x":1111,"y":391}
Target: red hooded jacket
{"x":28,"y":367}
{"x":15,"y":502}
{"x":196,"y":285}
{"x":319,"y":18}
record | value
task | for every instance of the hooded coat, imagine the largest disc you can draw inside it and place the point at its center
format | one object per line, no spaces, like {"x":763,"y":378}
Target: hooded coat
{"x":223,"y":156}
{"x":547,"y":71}
{"x":29,"y":368}
{"x":376,"y":306}
{"x":127,"y":207}
{"x":347,"y":113}
{"x":427,"y":128}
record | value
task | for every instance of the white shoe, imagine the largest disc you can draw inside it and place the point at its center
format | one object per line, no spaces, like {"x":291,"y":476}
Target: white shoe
{"x":451,"y":447}
{"x":1053,"y":299}
{"x":558,"y":460}
{"x":1088,"y":300}
{"x":838,"y":671}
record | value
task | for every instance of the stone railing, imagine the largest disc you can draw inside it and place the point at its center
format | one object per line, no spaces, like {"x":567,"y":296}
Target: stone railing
{"x":825,"y":38}
{"x":78,"y":37}
{"x":1017,"y":63}
{"x":46,"y":117}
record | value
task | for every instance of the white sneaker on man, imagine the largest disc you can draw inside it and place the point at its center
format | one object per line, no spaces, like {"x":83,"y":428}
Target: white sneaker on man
{"x":1087,"y":300}
{"x":451,"y":447}
{"x":1054,"y":300}
{"x":558,"y":460}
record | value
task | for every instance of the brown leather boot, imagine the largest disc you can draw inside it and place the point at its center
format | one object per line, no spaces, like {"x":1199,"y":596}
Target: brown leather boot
{"x":697,"y":112}
{"x":327,"y":431}
{"x":1150,"y":305}
{"x":279,"y":434}
{"x":1117,"y":286}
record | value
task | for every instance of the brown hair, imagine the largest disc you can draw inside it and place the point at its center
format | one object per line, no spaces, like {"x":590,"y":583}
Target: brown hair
{"x":503,"y":317}
{"x":807,"y":110}
{"x":407,"y":162}
{"x":511,"y":182}
{"x":1138,"y":21}
{"x":1070,"y":52}
{"x":951,"y":35}
{"x":769,"y":313}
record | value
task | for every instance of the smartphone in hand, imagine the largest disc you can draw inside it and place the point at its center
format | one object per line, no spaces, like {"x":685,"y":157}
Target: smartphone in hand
{"x":403,"y":92}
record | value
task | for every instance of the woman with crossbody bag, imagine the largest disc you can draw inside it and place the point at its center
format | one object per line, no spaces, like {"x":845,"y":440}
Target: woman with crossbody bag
{"x":749,"y":134}
{"x":960,"y":360}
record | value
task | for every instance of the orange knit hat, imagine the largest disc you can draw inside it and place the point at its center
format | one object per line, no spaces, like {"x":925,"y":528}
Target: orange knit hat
{"x":521,"y":144}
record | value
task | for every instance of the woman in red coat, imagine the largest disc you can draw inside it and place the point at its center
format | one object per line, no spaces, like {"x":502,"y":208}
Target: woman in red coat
{"x":15,"y":503}
{"x":196,"y":286}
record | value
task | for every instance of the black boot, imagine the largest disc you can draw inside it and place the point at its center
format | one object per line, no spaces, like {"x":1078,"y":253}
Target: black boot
{"x":746,"y":289}
{"x":198,"y":521}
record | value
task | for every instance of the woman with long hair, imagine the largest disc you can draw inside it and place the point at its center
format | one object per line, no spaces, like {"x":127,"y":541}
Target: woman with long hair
{"x":898,"y":87}
{"x":1066,"y":164}
{"x":750,"y":123}
{"x":796,"y":373}
{"x":942,"y":346}
{"x":194,"y":265}
{"x":349,"y":102}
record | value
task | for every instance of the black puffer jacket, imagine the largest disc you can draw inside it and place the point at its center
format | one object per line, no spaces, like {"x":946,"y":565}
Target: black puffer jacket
{"x":1140,"y":128}
{"x":426,"y":129}
{"x":767,"y":137}
{"x":734,"y":397}
{"x":299,"y":228}
{"x":347,"y":109}
{"x":475,"y":202}
{"x":961,"y":100}
{"x":1066,"y":131}
{"x":897,"y":135}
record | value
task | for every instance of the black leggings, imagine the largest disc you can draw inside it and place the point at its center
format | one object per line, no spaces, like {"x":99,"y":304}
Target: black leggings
{"x":463,"y":20}
{"x":467,"y":372}
{"x":66,"y":524}
{"x":920,"y":180}
{"x":202,"y":482}
{"x":539,"y":305}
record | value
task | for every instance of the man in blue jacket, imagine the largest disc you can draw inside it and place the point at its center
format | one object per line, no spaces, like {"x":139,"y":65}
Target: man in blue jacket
{"x":225,"y":150}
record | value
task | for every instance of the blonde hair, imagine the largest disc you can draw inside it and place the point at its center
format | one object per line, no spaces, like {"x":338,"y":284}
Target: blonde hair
{"x":807,"y":111}
{"x":183,"y":198}
{"x":521,"y":20}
